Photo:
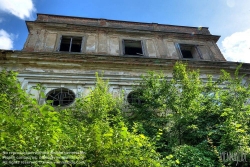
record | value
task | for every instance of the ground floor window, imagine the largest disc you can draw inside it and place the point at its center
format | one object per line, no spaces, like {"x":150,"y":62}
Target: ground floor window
{"x":60,"y":97}
{"x":133,"y":98}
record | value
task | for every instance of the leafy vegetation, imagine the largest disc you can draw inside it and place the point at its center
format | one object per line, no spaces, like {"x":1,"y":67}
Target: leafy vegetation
{"x":91,"y":133}
{"x":194,"y":120}
{"x":182,"y":121}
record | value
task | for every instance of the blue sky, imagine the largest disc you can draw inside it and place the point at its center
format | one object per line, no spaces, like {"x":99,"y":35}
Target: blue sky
{"x":228,"y":18}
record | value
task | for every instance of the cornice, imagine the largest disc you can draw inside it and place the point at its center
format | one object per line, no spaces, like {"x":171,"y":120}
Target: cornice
{"x":86,"y":28}
{"x":71,"y":60}
{"x":117,"y":23}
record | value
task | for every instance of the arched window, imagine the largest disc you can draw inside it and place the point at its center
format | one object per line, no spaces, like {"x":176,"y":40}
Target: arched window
{"x":134,"y":98}
{"x":61,"y":97}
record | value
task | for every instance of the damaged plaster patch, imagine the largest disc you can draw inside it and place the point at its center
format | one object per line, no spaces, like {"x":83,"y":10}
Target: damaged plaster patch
{"x":34,"y":70}
{"x":91,"y":48}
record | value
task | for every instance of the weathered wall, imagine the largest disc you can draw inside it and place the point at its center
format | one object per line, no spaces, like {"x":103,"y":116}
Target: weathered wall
{"x":40,"y":62}
{"x":121,"y":24}
{"x":101,"y":42}
{"x":82,"y":79}
{"x":77,"y":72}
{"x":104,"y":37}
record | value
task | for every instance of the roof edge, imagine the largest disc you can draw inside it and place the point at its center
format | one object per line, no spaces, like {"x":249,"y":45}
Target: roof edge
{"x":116,"y":20}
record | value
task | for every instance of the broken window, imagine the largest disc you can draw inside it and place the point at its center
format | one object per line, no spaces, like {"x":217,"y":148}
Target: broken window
{"x":189,"y":51}
{"x":60,"y":97}
{"x":132,"y":47}
{"x":71,"y":44}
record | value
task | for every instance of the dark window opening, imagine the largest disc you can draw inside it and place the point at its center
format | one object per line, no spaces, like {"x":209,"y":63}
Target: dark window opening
{"x":134,"y":98}
{"x":61,"y":97}
{"x":133,"y":47}
{"x":71,"y":44}
{"x":186,"y":54}
{"x":188,"y":51}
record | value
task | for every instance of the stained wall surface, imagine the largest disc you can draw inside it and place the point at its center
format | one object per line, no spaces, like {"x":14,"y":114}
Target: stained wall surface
{"x":102,"y":51}
{"x":106,"y":37}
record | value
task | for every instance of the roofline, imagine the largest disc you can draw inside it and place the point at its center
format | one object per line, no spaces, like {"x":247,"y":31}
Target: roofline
{"x":116,"y":20}
{"x":205,"y":35}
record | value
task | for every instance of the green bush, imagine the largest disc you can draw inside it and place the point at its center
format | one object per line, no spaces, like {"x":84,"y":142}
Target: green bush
{"x":182,"y":121}
{"x":184,"y":112}
{"x":93,"y":127}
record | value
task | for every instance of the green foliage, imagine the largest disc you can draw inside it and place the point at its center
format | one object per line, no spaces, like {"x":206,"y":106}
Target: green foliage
{"x":190,"y":111}
{"x":94,"y":127}
{"x":190,"y":156}
{"x":107,"y":141}
{"x":182,"y":120}
{"x":24,"y":125}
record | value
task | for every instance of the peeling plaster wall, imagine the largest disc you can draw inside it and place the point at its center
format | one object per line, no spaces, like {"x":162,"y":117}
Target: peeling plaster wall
{"x":102,"y":43}
{"x":102,"y":52}
{"x":82,"y":81}
{"x":113,"y":45}
{"x":91,"y":43}
{"x":81,"y":84}
{"x":171,"y":49}
{"x":50,"y":43}
{"x":110,"y":43}
{"x":31,"y":41}
{"x":151,"y":48}
{"x":216,"y":51}
{"x":77,"y":72}
{"x":161,"y":48}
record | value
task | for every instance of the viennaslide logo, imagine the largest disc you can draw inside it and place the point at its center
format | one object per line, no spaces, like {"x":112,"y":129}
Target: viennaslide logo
{"x":236,"y":156}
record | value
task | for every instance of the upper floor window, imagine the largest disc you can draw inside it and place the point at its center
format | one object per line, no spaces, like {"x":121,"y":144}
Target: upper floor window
{"x":189,"y":51}
{"x":71,"y":44}
{"x":132,"y":47}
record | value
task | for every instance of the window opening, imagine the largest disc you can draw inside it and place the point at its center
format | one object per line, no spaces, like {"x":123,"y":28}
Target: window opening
{"x":132,"y":47}
{"x":189,"y":51}
{"x":71,"y":44}
{"x":61,"y":97}
{"x":133,"y":98}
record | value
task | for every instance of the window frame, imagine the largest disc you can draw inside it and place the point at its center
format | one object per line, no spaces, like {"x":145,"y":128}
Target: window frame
{"x":63,"y":90}
{"x":133,"y":98}
{"x":178,"y":46}
{"x":135,"y":40}
{"x":71,"y":37}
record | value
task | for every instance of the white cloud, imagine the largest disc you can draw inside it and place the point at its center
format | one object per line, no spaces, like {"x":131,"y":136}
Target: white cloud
{"x":20,"y":8}
{"x":6,"y":40}
{"x":236,"y":47}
